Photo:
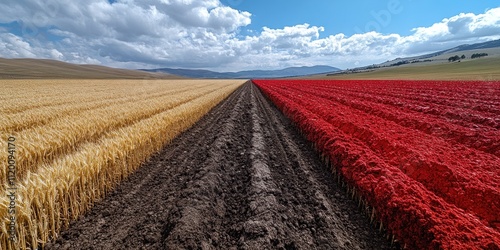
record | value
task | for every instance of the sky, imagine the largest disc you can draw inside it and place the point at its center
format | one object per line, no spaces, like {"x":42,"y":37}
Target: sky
{"x":235,"y":35}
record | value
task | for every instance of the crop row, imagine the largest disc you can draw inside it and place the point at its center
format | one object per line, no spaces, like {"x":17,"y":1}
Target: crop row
{"x":45,"y":112}
{"x":49,"y":141}
{"x":430,"y":188}
{"x":93,"y":151}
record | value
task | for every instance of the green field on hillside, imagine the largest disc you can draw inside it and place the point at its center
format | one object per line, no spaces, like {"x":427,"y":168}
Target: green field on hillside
{"x":478,"y":69}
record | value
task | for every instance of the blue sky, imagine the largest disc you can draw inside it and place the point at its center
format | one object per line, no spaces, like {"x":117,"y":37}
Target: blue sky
{"x":350,"y":17}
{"x":233,"y":35}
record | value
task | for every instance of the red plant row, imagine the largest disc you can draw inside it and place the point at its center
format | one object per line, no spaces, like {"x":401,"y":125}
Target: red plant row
{"x":424,"y":154}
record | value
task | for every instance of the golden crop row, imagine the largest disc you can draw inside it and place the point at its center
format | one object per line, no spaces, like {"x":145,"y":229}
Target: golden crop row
{"x":46,"y":112}
{"x":60,"y":190}
{"x":46,"y":143}
{"x":20,"y":95}
{"x":41,"y":115}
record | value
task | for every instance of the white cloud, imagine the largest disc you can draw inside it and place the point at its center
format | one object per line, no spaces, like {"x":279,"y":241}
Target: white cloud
{"x":55,"y":54}
{"x":14,"y":46}
{"x":205,"y":34}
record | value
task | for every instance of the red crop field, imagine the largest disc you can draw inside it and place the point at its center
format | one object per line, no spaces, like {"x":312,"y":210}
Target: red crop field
{"x":425,"y":155}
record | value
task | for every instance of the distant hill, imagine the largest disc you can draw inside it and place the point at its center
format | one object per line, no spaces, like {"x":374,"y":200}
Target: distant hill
{"x":465,"y":47}
{"x":433,"y":66}
{"x":288,"y":72}
{"x":44,"y":68}
{"x":491,"y":47}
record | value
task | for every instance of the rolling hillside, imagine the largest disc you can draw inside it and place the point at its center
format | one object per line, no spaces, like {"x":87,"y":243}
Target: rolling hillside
{"x":477,"y":69}
{"x":43,"y":68}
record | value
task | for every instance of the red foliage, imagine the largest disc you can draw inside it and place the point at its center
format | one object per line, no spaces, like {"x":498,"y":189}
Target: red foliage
{"x":424,"y":154}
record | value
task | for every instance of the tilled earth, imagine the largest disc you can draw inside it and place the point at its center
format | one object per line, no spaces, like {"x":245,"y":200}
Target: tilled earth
{"x":241,"y":178}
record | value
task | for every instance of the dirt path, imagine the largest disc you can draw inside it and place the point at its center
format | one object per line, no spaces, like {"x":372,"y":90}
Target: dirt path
{"x":241,"y":178}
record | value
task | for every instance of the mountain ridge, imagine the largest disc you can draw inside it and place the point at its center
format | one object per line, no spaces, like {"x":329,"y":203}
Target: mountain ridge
{"x":280,"y":73}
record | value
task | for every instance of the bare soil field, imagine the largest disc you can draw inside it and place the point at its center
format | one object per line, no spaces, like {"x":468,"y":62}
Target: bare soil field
{"x":241,"y":178}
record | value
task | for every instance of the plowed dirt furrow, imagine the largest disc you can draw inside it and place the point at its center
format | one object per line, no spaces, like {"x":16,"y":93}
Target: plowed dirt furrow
{"x":241,"y":178}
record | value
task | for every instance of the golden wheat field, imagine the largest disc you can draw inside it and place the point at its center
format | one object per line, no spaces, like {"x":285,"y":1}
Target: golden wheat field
{"x":65,"y":143}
